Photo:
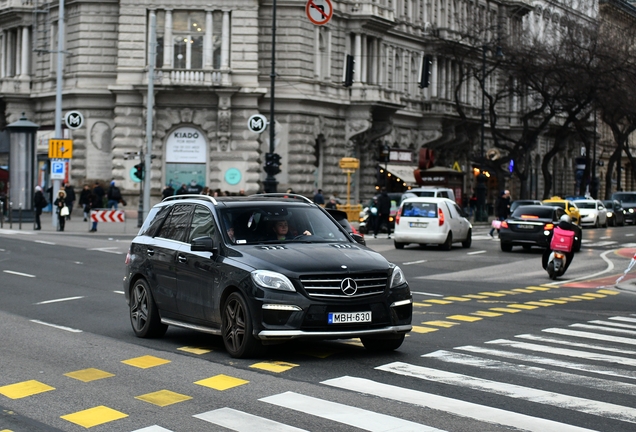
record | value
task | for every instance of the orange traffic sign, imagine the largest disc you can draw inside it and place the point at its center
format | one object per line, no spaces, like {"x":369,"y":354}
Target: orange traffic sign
{"x":349,"y":163}
{"x":60,"y":148}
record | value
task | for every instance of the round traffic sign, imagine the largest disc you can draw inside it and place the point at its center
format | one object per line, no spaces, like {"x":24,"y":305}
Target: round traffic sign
{"x":257,"y":123}
{"x":319,"y":12}
{"x":74,"y":119}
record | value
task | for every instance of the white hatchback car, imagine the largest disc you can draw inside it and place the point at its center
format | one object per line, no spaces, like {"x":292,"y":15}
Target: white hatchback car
{"x":426,"y":220}
{"x":593,"y":212}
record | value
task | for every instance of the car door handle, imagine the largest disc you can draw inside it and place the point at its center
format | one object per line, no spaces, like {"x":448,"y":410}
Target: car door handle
{"x":182,"y":258}
{"x":150,"y":252}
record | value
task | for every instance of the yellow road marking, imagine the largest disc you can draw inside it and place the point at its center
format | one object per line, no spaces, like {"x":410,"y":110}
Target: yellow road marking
{"x":522,"y":306}
{"x":145,"y":362}
{"x":553,"y":301}
{"x":538,"y":288}
{"x":434,"y":301}
{"x":221,"y":382}
{"x":594,"y":295}
{"x":88,"y":375}
{"x":421,"y":304}
{"x":581,"y":297}
{"x":464,"y":318}
{"x":163,"y":398}
{"x":445,"y":324}
{"x":475,"y":296}
{"x":568,"y":299}
{"x":486,"y":314}
{"x":419,"y":329}
{"x":538,"y":303}
{"x":94,"y":416}
{"x":508,"y":292}
{"x":609,"y":292}
{"x":274,"y":366}
{"x":24,"y":389}
{"x":507,"y":310}
{"x":459,"y":299}
{"x":492,"y":294}
{"x":195,"y":350}
{"x":522,"y":290}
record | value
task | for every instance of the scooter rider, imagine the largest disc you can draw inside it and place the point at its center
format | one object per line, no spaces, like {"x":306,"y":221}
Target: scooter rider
{"x":565,"y":223}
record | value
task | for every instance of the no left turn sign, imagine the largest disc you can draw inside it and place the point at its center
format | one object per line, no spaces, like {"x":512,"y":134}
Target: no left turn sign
{"x":319,"y":12}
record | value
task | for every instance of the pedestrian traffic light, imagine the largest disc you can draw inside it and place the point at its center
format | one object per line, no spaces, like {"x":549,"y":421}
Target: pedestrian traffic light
{"x":272,"y":163}
{"x":348,"y":72}
{"x":425,"y":71}
{"x":139,"y":171}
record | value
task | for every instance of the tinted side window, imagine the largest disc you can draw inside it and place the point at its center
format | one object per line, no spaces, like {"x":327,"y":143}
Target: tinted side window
{"x":202,"y":224}
{"x":177,"y":223}
{"x":443,"y":194}
{"x":154,"y":220}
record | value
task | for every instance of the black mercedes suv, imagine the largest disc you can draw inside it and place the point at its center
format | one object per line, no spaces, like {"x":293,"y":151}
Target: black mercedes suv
{"x":261,"y":270}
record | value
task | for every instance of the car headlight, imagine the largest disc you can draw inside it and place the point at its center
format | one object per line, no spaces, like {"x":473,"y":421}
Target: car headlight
{"x":272,"y":280}
{"x":631,"y":210}
{"x":609,"y":214}
{"x":397,"y":278}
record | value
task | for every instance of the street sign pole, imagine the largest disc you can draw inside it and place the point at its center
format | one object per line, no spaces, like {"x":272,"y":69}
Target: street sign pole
{"x":58,"y":98}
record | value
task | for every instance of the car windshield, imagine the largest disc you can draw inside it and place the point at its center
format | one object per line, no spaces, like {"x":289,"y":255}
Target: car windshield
{"x":625,"y":197}
{"x":275,"y":223}
{"x":534,"y":212}
{"x":419,"y":209}
{"x":585,"y":205}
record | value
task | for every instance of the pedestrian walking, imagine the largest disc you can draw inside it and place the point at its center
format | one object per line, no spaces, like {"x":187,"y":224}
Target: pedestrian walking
{"x":332,"y":204}
{"x":84,"y":201}
{"x":502,"y":210}
{"x":99,"y":191}
{"x":95,"y":202}
{"x":60,"y":209}
{"x":39,"y":202}
{"x":319,"y":198}
{"x":384,"y":211}
{"x":168,"y":191}
{"x":114,"y":196}
{"x":70,"y":199}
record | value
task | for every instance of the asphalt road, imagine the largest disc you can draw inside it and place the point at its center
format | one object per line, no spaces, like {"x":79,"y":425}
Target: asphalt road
{"x":496,"y":346}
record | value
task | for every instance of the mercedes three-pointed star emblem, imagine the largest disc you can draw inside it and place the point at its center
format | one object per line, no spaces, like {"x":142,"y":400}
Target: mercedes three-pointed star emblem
{"x":349,"y":286}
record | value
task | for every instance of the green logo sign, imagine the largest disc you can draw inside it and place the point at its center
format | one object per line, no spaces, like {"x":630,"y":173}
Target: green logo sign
{"x":233,"y":176}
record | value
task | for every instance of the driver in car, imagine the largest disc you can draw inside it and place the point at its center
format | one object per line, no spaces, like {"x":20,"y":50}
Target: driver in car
{"x":281,"y":230}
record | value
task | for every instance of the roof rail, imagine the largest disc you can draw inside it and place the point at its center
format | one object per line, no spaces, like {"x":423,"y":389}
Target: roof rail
{"x":284,"y":195}
{"x":190,"y":196}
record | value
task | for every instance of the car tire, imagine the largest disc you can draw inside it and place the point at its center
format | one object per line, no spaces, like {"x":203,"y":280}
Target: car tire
{"x":506,"y":247}
{"x":144,"y":315}
{"x":448,"y":244}
{"x":551,"y":272}
{"x":597,"y":223}
{"x":382,"y":344}
{"x":398,"y":245}
{"x":577,"y":246}
{"x":237,"y":328}
{"x":469,"y":239}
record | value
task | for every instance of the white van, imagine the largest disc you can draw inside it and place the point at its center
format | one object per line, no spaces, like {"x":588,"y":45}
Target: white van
{"x":430,"y":192}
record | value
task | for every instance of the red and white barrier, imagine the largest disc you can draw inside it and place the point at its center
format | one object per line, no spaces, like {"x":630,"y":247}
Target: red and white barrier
{"x":107,"y":216}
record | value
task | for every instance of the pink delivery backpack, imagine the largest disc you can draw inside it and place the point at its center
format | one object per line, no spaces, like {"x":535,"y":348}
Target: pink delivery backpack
{"x":562,"y":240}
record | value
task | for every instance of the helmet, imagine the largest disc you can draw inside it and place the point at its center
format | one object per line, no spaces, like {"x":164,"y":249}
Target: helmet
{"x":566,"y":218}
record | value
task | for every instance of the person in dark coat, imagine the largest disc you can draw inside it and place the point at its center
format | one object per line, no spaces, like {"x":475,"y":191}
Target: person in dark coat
{"x":113,"y":195}
{"x":319,"y":198}
{"x":94,"y":203}
{"x":502,"y":209}
{"x":58,"y":205}
{"x":70,"y":199}
{"x":84,"y":201}
{"x":39,"y":202}
{"x":384,"y":211}
{"x":168,"y":191}
{"x":332,"y":203}
{"x":98,"y":190}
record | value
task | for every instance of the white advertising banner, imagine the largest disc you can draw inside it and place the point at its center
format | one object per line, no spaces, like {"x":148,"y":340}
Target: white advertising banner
{"x":186,"y":145}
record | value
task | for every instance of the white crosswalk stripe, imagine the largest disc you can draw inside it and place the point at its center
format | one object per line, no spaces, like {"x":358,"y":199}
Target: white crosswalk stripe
{"x":243,"y":422}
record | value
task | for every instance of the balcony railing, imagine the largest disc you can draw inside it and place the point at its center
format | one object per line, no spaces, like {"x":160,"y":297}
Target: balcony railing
{"x":191,"y":77}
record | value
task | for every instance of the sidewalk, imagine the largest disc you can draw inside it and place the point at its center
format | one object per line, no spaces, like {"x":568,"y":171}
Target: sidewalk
{"x":77,"y":225}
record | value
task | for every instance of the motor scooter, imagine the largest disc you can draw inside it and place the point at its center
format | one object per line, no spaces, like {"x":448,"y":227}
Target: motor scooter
{"x":560,"y":252}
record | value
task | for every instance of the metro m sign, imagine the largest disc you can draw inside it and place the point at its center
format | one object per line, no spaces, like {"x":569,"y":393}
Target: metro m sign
{"x":257,"y":123}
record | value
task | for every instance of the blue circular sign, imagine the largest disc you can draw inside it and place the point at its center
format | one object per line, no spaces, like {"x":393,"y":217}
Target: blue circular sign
{"x":233,"y":176}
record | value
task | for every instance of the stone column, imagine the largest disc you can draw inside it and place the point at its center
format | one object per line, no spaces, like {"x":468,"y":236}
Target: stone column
{"x":317,"y":59}
{"x":25,"y":52}
{"x":225,"y":41}
{"x":364,"y":61}
{"x":3,"y":54}
{"x":375,"y":63}
{"x":18,"y":53}
{"x":357,"y":50}
{"x":434,"y":78}
{"x":328,"y":50}
{"x":167,"y":41}
{"x":208,"y":47}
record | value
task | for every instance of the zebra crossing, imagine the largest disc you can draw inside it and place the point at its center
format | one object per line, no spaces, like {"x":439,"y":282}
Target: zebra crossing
{"x":555,"y":369}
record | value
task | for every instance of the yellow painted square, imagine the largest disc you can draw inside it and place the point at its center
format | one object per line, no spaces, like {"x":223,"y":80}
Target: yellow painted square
{"x":195,"y":350}
{"x":24,"y":389}
{"x":538,"y":288}
{"x":420,"y":329}
{"x":163,"y":398}
{"x":492,"y":294}
{"x":522,"y":306}
{"x":463,"y":318}
{"x":609,"y":292}
{"x":475,"y":296}
{"x":507,"y":310}
{"x":418,"y":304}
{"x":581,"y":297}
{"x":459,"y":299}
{"x":88,"y":375}
{"x":352,"y":342}
{"x":508,"y":292}
{"x":435,"y":301}
{"x":221,"y":382}
{"x":445,"y":324}
{"x":145,"y":362}
{"x":555,"y":301}
{"x":594,"y":295}
{"x":538,"y":303}
{"x":522,"y":290}
{"x":275,"y":366}
{"x":94,"y":416}
{"x":486,"y":314}
{"x":568,"y":299}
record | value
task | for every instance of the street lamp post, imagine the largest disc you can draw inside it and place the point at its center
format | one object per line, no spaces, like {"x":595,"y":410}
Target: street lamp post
{"x":272,"y":160}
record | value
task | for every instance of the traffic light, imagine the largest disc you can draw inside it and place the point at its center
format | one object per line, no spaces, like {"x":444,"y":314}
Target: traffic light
{"x":272,"y":163}
{"x":425,"y":71}
{"x":347,"y":76}
{"x":139,"y":171}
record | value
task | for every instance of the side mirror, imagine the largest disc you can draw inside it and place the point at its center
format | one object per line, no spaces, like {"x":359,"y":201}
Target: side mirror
{"x":359,"y":239}
{"x":203,"y":244}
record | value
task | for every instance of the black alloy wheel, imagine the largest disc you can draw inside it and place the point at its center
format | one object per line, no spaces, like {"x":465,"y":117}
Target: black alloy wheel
{"x":237,"y":328}
{"x":144,"y":315}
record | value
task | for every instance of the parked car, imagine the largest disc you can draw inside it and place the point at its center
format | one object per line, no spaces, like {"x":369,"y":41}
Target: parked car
{"x":259,"y":270}
{"x":570,"y":208}
{"x":593,"y":212}
{"x":628,"y":202}
{"x":341,"y":217}
{"x":615,"y":213}
{"x":517,"y":203}
{"x":431,"y":221}
{"x":532,"y":226}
